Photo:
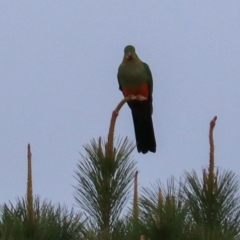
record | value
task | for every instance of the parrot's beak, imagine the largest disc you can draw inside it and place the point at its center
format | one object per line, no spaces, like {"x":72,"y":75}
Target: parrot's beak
{"x":128,"y":55}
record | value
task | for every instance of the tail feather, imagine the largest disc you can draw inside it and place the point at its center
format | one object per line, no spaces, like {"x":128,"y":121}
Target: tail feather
{"x":143,"y":125}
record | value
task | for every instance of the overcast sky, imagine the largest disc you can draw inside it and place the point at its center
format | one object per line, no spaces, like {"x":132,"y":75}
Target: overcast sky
{"x":58,"y":86}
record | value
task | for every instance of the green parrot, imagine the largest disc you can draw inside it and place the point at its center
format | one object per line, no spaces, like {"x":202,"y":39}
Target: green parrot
{"x":135,"y":78}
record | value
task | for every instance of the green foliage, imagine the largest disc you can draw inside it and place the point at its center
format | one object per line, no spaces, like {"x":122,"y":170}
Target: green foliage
{"x":213,"y":204}
{"x":104,"y":185}
{"x":206,"y":208}
{"x":164,"y":213}
{"x":132,"y":228}
{"x":51,"y":222}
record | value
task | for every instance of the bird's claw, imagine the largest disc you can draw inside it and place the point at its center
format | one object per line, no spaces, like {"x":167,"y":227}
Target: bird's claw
{"x":132,"y":97}
{"x":140,"y":98}
{"x":137,"y":97}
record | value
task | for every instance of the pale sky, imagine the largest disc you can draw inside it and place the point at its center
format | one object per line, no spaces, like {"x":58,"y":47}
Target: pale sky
{"x":58,"y":86}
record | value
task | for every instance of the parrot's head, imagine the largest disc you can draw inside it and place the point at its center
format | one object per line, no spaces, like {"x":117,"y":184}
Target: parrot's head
{"x":129,"y":52}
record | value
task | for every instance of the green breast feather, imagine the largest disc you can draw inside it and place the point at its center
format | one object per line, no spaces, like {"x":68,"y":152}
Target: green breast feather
{"x":134,"y":74}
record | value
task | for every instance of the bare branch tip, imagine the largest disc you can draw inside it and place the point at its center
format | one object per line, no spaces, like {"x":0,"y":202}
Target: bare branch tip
{"x":213,"y":122}
{"x":29,"y":150}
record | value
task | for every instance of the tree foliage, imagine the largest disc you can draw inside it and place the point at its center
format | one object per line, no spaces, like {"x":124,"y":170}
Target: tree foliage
{"x":103,"y":184}
{"x":51,"y":222}
{"x":214,"y":204}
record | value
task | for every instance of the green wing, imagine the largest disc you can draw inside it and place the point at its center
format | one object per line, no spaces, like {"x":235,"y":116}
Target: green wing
{"x":150,"y":83}
{"x":150,"y":80}
{"x":120,"y":87}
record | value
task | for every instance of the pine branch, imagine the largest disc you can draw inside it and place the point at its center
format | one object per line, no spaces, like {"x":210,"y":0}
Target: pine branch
{"x":135,"y":197}
{"x":30,"y":209}
{"x":211,"y":154}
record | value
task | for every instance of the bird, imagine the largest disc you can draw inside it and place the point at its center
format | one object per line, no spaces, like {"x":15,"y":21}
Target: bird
{"x":135,"y":78}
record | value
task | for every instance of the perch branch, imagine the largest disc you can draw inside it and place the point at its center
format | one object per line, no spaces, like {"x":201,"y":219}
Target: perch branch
{"x":109,"y":146}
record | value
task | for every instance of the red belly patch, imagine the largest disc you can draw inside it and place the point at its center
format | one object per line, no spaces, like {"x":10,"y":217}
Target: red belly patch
{"x":142,"y":90}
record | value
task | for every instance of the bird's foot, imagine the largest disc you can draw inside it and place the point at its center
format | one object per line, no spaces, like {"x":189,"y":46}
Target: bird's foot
{"x":137,"y":97}
{"x":132,"y":97}
{"x":140,"y":98}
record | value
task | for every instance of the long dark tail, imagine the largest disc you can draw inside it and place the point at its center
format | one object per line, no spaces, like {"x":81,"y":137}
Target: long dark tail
{"x":143,"y":125}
